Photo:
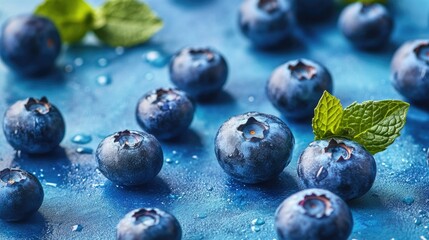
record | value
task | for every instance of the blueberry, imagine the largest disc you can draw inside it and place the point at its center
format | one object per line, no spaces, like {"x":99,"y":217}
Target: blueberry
{"x":165,"y":113}
{"x":21,"y":194}
{"x":148,"y":224}
{"x":33,"y":126}
{"x":341,"y":166}
{"x":410,"y":70}
{"x":254,"y":147}
{"x":366,"y":26}
{"x":313,"y":10}
{"x":129,"y":158}
{"x":267,"y":23}
{"x":200,"y":72}
{"x":314,"y":214}
{"x":29,"y":44}
{"x":295,"y":87}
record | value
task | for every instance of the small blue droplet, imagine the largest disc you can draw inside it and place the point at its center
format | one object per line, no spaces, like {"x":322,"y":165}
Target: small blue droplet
{"x":104,"y":80}
{"x":81,"y":138}
{"x":155,"y":58}
{"x":408,"y":200}
{"x":84,"y":150}
{"x":255,"y":229}
{"x":201,"y":215}
{"x":77,"y":228}
{"x":417,"y":221}
{"x":258,"y":222}
{"x":102,"y":62}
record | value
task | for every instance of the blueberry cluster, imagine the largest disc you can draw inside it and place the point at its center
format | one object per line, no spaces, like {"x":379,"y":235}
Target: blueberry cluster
{"x":252,"y":147}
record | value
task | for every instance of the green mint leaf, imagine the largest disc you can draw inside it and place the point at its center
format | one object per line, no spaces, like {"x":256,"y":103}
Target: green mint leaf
{"x":73,"y":18}
{"x":126,"y":23}
{"x":327,"y":116}
{"x":375,"y":124}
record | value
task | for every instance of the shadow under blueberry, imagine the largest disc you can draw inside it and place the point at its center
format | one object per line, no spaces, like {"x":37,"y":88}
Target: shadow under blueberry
{"x":150,"y":194}
{"x":34,"y":227}
{"x":187,"y":140}
{"x":294,"y":44}
{"x":222,"y":98}
{"x":52,"y":167}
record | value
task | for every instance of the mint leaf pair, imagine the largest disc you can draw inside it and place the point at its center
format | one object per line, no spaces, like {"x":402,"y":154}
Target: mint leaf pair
{"x":116,"y":22}
{"x":373,"y":124}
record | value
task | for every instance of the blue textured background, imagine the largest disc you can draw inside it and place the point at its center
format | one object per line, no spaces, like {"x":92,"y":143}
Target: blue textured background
{"x":208,"y":204}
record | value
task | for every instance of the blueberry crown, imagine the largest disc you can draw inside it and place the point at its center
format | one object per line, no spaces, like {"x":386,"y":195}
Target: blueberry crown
{"x":422,"y":52}
{"x":268,"y":6}
{"x":317,"y":206}
{"x":10,"y":176}
{"x":302,"y":71}
{"x":339,"y":150}
{"x":253,"y":130}
{"x":147,"y":217}
{"x":41,"y":106}
{"x":128,"y":139}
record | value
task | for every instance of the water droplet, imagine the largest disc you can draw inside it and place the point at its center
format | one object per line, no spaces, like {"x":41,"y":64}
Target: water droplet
{"x":258,"y":222}
{"x":210,"y":188}
{"x":255,"y":228}
{"x":78,"y":62}
{"x":102,"y":62}
{"x":104,"y":80}
{"x":84,"y":150}
{"x":194,"y":157}
{"x":168,"y":160}
{"x":174,"y":152}
{"x":417,"y":221}
{"x":251,"y":99}
{"x":81,"y":138}
{"x":119,"y":50}
{"x":77,"y":228}
{"x":201,"y":215}
{"x":321,"y":174}
{"x":149,"y":76}
{"x":408,"y":200}
{"x":51,"y":184}
{"x":68,"y":68}
{"x":155,"y":58}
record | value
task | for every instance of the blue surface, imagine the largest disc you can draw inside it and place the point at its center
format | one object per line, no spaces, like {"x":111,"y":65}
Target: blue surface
{"x":191,"y":185}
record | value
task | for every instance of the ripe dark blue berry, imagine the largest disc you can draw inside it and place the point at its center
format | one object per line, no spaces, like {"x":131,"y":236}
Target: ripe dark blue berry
{"x":254,"y":147}
{"x":129,"y":158}
{"x":341,"y":166}
{"x":200,"y":72}
{"x":149,"y":224}
{"x":295,"y":87}
{"x":314,"y":214}
{"x":165,"y":113}
{"x":410,"y":70}
{"x":313,"y":10}
{"x":29,"y":44}
{"x":366,"y":26}
{"x":266,"y":23}
{"x":21,"y":194}
{"x":33,"y":126}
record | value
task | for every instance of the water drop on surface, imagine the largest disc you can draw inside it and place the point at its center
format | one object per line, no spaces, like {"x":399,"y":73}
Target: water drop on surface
{"x":77,"y":228}
{"x":201,"y":215}
{"x":251,"y":99}
{"x":417,"y":221}
{"x":168,"y":160}
{"x":103,"y":80}
{"x":68,"y":68}
{"x":78,"y":62}
{"x":84,"y":150}
{"x":155,"y":58}
{"x":149,"y":76}
{"x":81,"y":138}
{"x":119,"y":50}
{"x":258,"y":222}
{"x":51,"y":184}
{"x":102,"y":62}
{"x":408,"y":200}
{"x":255,"y":229}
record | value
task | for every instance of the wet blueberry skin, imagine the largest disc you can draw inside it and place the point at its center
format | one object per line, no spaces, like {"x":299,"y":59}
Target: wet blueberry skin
{"x":366,"y":26}
{"x":21,"y":194}
{"x":295,"y":87}
{"x":33,"y":126}
{"x":410,"y":70}
{"x":266,"y":23}
{"x":129,"y":158}
{"x":200,"y":72}
{"x":165,"y":113}
{"x":313,"y":10}
{"x":148,"y":224}
{"x":29,"y":45}
{"x":254,"y":147}
{"x":315,"y":214}
{"x":341,"y":166}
